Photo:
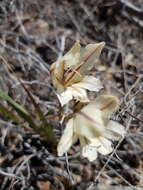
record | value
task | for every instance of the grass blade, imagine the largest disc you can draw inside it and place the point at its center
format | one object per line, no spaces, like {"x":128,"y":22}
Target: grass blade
{"x":18,"y":108}
{"x":44,"y":130}
{"x":9,"y":114}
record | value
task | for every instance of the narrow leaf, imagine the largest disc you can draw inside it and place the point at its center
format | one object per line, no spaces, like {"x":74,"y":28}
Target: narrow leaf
{"x":18,"y":108}
{"x":9,"y":113}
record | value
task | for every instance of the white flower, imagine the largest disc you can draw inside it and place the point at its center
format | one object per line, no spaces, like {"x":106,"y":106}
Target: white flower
{"x":70,"y":74}
{"x":93,"y":128}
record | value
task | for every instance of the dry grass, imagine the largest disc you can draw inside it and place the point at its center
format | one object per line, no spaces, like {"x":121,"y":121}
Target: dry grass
{"x":33,"y":34}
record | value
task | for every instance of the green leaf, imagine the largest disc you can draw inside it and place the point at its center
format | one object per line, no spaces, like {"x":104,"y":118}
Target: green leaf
{"x":45,"y":129}
{"x":9,"y":114}
{"x":8,"y":99}
{"x":18,"y":108}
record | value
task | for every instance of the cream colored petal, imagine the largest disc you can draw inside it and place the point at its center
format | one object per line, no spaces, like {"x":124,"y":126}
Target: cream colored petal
{"x":65,"y":97}
{"x":102,"y":145}
{"x":78,"y":93}
{"x":82,"y":140}
{"x":59,"y":87}
{"x":57,"y":70}
{"x":108,"y":104}
{"x":89,"y":83}
{"x":67,"y":61}
{"x":89,"y":152}
{"x":114,"y":131}
{"x":75,"y":138}
{"x":89,"y":56}
{"x":66,"y":139}
{"x":89,"y":123}
{"x":73,"y":77}
{"x":72,"y":57}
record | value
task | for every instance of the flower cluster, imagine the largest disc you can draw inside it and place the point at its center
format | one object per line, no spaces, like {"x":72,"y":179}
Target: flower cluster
{"x":70,"y":74}
{"x":91,"y":125}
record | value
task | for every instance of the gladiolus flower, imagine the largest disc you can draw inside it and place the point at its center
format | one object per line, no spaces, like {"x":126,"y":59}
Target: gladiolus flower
{"x":93,"y":127}
{"x":70,"y":73}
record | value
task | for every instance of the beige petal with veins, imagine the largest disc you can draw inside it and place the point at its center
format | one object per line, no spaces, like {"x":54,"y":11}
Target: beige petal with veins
{"x":89,"y":56}
{"x":67,"y":138}
{"x":114,"y":130}
{"x":88,"y":123}
{"x":108,"y":104}
{"x":90,"y":83}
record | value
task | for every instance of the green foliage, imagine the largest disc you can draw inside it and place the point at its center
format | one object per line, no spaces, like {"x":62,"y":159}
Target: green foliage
{"x":44,"y":128}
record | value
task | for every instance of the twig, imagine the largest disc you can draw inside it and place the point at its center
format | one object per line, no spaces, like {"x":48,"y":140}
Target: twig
{"x":131,"y":12}
{"x":130,"y":8}
{"x":132,"y":87}
{"x":9,"y":174}
{"x":68,"y":169}
{"x":134,"y":117}
{"x":130,"y":185}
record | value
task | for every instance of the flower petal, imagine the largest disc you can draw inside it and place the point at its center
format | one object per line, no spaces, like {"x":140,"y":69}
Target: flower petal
{"x":89,"y":152}
{"x":71,"y":58}
{"x":56,"y":75}
{"x":57,"y":84}
{"x":108,"y":104}
{"x":57,"y":70}
{"x":89,"y":83}
{"x":73,"y":77}
{"x":102,"y":145}
{"x":89,"y":56}
{"x":66,"y":139}
{"x":65,"y":97}
{"x":114,"y":131}
{"x":78,"y":93}
{"x":89,"y":123}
